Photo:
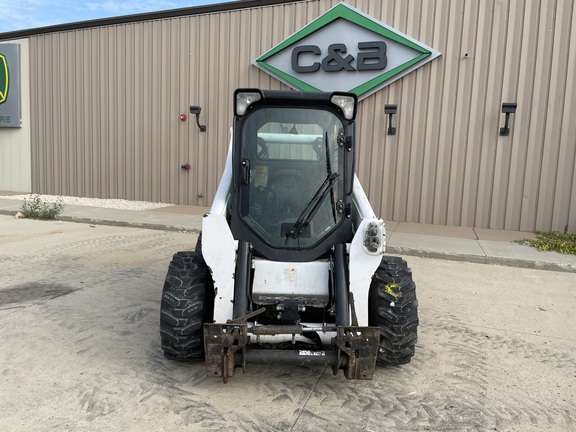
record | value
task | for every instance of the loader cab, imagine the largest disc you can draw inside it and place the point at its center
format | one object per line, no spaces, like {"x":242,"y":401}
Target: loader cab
{"x":293,"y":169}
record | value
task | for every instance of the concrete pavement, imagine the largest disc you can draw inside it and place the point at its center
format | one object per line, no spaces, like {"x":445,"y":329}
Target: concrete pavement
{"x":431,"y":241}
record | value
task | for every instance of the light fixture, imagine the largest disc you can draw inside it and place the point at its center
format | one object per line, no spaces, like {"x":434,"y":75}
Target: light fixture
{"x":244,"y":98}
{"x":347,"y":103}
{"x":507,"y":108}
{"x":390,"y":110}
{"x":196,"y":110}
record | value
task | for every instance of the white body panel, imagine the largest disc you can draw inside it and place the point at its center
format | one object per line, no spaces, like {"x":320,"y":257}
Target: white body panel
{"x":361,"y":267}
{"x":219,"y":247}
{"x":304,"y":280}
{"x":362,"y":264}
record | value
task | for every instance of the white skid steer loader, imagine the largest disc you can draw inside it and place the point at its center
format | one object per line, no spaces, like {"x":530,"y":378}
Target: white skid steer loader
{"x":290,"y":265}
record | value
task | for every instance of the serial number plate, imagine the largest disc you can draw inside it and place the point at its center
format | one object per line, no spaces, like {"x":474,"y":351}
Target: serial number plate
{"x":312,"y":353}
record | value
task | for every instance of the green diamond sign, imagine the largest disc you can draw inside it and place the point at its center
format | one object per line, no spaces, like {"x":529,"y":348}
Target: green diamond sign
{"x":10,"y":85}
{"x":344,"y":49}
{"x":4,"y":79}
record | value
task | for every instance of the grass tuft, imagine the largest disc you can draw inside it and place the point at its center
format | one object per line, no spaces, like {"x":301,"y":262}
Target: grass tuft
{"x":553,"y":241}
{"x":36,"y":208}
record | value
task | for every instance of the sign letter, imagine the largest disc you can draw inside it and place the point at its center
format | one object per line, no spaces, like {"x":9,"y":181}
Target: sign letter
{"x":334,"y":62}
{"x":313,"y":49}
{"x":375,"y":59}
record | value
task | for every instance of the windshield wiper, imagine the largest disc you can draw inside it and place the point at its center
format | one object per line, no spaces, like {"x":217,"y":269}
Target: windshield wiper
{"x":329,"y":171}
{"x":312,"y":207}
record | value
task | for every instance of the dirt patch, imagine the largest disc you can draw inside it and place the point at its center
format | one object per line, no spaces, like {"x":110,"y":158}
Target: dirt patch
{"x":33,"y":291}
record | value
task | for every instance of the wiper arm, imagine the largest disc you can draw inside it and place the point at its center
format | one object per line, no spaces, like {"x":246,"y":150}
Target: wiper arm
{"x":312,"y":207}
{"x":329,"y":171}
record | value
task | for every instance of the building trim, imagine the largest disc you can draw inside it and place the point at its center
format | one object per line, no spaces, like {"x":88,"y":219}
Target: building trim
{"x":148,"y":16}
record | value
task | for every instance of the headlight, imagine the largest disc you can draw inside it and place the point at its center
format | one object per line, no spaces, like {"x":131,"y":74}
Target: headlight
{"x":347,"y":104}
{"x":374,"y":238}
{"x":244,"y":99}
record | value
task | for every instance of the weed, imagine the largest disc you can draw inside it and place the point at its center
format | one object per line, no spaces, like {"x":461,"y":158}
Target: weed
{"x":36,"y":208}
{"x":564,"y":243}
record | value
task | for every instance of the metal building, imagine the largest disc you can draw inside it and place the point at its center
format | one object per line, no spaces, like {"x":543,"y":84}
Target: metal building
{"x":102,"y":104}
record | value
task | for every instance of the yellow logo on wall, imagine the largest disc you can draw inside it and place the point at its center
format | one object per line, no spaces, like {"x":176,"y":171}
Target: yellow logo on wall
{"x":4,"y":79}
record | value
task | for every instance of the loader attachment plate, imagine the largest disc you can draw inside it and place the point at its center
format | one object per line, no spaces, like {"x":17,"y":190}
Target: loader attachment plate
{"x":224,"y":345}
{"x":357,"y":351}
{"x":354,"y":350}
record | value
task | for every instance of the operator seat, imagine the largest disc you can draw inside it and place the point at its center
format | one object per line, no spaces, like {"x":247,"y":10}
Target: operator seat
{"x":288,"y":194}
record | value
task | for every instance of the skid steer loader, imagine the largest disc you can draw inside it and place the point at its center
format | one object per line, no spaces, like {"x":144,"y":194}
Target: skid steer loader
{"x":290,"y":267}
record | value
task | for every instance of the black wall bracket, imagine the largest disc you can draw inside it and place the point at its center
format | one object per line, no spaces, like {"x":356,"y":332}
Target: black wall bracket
{"x":507,"y":108}
{"x":390,"y":110}
{"x":196,"y":110}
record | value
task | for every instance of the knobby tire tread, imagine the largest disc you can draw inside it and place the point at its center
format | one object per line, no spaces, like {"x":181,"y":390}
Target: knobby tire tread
{"x":394,"y":308}
{"x":187,"y":303}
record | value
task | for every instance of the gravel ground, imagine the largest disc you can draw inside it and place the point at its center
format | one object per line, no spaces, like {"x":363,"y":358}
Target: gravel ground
{"x":94,"y":202}
{"x":80,"y":348}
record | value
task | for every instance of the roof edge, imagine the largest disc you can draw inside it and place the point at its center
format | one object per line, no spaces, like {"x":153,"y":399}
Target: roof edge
{"x":147,"y":16}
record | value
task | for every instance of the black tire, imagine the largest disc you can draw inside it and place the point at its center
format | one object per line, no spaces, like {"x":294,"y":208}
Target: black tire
{"x":393,"y":307}
{"x":187,"y":303}
{"x":198,"y":247}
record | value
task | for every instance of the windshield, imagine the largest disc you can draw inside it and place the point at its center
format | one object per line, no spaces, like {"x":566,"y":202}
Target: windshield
{"x":292,"y":178}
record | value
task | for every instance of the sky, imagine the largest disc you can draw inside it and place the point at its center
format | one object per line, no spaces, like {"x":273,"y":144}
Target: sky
{"x":27,"y":14}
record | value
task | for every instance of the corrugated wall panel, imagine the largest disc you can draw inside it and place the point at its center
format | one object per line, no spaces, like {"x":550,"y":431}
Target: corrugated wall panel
{"x":477,"y":42}
{"x":551,"y":162}
{"x":492,"y":147}
{"x":435,"y":37}
{"x":564,"y":208}
{"x":520,"y":174}
{"x":516,"y":150}
{"x":106,"y":104}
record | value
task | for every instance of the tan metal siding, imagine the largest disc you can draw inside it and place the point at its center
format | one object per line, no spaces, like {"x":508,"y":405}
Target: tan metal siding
{"x":564,"y":208}
{"x":449,"y":164}
{"x":106,"y":104}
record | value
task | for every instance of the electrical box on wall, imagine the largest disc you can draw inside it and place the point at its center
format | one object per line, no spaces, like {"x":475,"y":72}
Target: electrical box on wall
{"x":10,"y":109}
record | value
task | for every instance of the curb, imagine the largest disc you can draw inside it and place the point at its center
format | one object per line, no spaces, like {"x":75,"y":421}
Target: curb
{"x":142,"y":225}
{"x":478,"y":259}
{"x":395,"y":250}
{"x":108,"y":222}
{"x":9,"y":212}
